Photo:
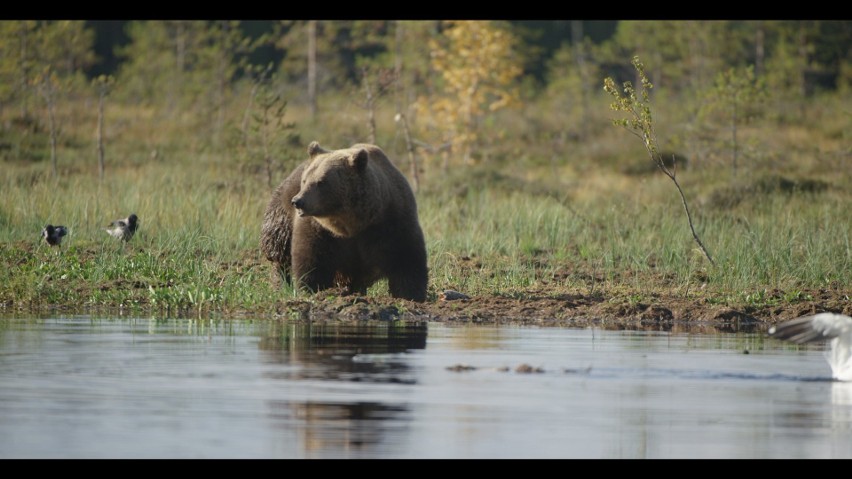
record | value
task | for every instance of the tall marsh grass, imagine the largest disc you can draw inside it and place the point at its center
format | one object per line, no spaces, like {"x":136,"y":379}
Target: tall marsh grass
{"x":554,"y":217}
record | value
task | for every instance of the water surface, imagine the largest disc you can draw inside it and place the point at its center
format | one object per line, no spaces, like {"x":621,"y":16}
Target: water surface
{"x":136,"y":388}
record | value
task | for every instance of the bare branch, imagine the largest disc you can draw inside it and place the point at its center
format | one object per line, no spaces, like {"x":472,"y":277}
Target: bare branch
{"x":642,"y":125}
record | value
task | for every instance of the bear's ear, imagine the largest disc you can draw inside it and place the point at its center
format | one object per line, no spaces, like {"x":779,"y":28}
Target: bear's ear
{"x":359,"y":160}
{"x":315,"y":149}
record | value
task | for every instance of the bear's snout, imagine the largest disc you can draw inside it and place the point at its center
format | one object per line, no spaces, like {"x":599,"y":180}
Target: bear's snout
{"x":299,"y":203}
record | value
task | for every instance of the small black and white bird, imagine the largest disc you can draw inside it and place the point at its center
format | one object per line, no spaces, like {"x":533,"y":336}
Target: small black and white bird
{"x":53,"y":234}
{"x":836,"y":328}
{"x":124,"y":229}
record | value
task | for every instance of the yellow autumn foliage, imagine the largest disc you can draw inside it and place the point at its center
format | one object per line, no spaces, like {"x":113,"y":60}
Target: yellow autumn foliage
{"x":477,"y":70}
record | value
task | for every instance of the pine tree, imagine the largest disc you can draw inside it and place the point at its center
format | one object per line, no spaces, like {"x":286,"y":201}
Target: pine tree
{"x":737,"y":96}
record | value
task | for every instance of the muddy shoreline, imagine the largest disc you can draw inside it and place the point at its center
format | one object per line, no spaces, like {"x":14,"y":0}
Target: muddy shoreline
{"x":540,"y":308}
{"x":577,"y":310}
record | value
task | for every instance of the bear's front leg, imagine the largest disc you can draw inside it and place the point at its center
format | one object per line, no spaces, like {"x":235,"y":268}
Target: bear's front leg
{"x":314,"y":259}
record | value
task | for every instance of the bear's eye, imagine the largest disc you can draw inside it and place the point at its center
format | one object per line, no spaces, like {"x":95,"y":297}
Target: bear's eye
{"x":322,"y":183}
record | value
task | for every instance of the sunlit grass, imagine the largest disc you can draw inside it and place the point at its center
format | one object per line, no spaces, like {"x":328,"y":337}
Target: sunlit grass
{"x":538,"y":213}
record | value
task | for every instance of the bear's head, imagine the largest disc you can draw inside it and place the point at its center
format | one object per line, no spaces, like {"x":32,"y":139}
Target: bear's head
{"x":333,"y":185}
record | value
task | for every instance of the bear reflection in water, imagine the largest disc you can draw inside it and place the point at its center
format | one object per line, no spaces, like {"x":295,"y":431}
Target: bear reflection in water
{"x":357,"y":351}
{"x":350,"y":352}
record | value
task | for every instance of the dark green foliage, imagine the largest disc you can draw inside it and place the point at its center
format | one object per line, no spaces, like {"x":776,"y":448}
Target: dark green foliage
{"x":266,"y":137}
{"x":729,"y":197}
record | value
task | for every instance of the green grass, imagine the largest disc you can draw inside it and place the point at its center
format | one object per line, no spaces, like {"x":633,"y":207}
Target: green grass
{"x":537,"y":216}
{"x":197,"y":246}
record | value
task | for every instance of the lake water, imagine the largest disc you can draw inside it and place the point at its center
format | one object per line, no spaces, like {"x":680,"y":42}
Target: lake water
{"x":80,"y":387}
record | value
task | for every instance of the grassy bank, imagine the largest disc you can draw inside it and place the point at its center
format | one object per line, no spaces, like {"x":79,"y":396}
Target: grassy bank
{"x":542,"y":215}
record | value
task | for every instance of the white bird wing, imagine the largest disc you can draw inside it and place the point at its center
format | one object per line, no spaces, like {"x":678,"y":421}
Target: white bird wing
{"x":818,"y":327}
{"x":832,"y":325}
{"x":821,"y":327}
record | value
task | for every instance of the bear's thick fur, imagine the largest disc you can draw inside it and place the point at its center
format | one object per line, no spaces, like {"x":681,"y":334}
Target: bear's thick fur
{"x":346,"y":218}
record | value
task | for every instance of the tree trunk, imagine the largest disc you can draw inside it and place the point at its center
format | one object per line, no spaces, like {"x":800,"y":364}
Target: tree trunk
{"x":415,"y":174}
{"x":180,"y":56}
{"x":759,"y":53}
{"x":265,"y":141}
{"x":734,"y":135}
{"x":24,"y":70}
{"x":51,"y":124}
{"x":247,"y":113}
{"x":397,"y":66}
{"x":803,"y":59}
{"x":580,"y":58}
{"x":101,"y":134}
{"x":371,"y":111}
{"x":312,"y":67}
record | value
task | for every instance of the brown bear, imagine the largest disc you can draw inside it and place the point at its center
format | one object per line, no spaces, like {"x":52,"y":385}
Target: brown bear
{"x":346,"y":218}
